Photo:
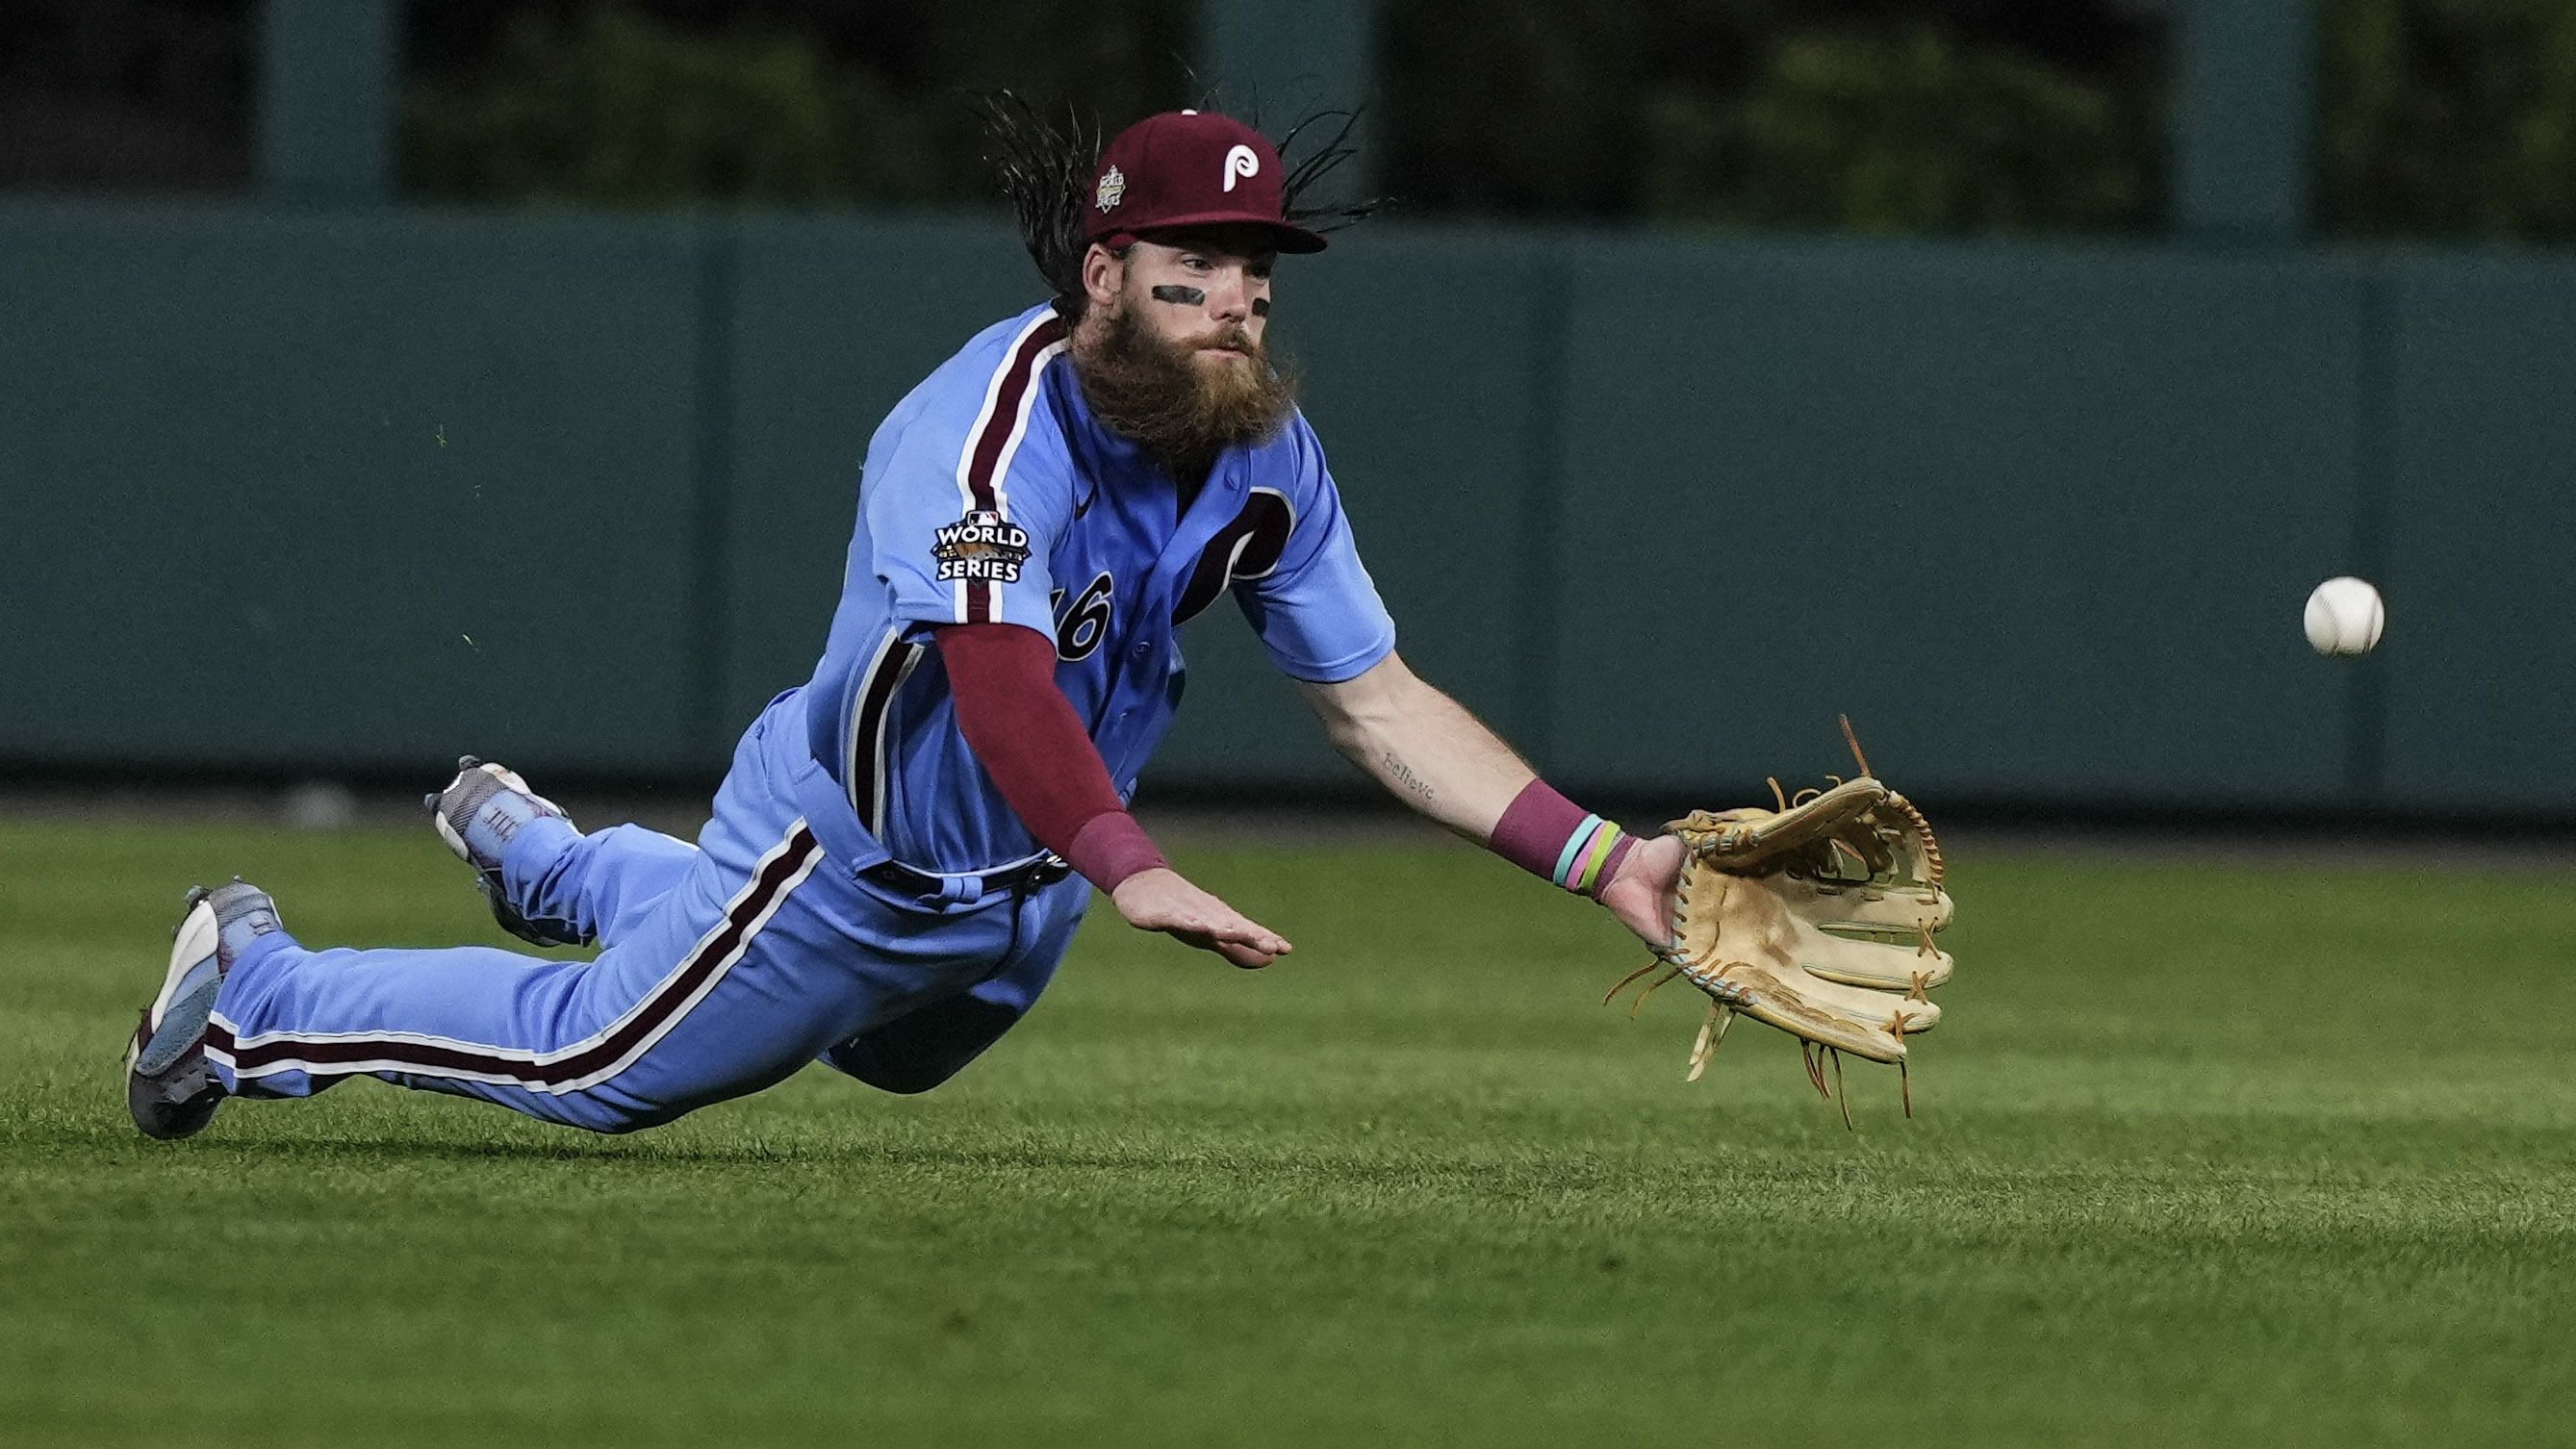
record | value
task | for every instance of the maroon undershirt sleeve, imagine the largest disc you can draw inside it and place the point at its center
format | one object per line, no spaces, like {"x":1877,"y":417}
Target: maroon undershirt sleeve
{"x":1030,"y":741}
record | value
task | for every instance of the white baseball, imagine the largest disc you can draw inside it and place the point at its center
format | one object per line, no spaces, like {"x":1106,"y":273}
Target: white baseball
{"x":2345,"y":616}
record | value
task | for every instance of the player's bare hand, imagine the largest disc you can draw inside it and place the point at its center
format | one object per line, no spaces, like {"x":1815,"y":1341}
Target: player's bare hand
{"x":1160,"y":900}
{"x":1641,"y":894}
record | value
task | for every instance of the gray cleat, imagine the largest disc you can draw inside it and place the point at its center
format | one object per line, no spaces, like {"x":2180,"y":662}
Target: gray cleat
{"x":479,"y":813}
{"x":169,"y":1087}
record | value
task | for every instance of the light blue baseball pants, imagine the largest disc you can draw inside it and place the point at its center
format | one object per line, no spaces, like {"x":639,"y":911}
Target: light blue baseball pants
{"x":725,"y":966}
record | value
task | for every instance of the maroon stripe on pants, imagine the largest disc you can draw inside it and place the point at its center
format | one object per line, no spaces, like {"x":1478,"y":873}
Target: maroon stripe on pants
{"x":523,"y":1066}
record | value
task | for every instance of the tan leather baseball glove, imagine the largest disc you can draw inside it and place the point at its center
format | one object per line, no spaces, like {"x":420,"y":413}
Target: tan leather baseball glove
{"x":1816,"y":917}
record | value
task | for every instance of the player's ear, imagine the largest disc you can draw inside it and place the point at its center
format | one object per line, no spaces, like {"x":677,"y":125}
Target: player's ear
{"x":1103,"y":272}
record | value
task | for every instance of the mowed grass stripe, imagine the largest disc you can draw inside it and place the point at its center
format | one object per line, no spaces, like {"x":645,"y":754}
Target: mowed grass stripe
{"x":2207,"y":1156}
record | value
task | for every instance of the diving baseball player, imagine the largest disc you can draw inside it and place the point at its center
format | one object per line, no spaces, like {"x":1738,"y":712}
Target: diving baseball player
{"x":905,"y":844}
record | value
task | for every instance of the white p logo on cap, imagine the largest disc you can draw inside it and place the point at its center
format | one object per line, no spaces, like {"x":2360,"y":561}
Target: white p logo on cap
{"x":1241,"y":161}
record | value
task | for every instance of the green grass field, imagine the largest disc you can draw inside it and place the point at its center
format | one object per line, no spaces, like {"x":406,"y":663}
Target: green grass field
{"x":2206,"y":1155}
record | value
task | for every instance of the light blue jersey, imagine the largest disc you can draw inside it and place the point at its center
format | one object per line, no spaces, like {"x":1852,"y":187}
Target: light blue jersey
{"x":992,"y":494}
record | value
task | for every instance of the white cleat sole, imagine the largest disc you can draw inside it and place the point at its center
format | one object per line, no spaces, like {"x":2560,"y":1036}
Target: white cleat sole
{"x":192,"y":945}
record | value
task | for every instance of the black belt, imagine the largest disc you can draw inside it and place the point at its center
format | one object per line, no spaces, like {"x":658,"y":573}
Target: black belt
{"x":895,"y":875}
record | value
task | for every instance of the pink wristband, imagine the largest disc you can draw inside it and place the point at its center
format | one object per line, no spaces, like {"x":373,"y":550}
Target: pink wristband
{"x":1548,"y":835}
{"x":1110,"y":847}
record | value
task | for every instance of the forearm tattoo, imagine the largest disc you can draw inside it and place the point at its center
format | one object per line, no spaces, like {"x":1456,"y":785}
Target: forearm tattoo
{"x":1403,"y":775}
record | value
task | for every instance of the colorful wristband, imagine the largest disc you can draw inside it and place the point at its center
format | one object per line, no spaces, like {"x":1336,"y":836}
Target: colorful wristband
{"x":1548,"y":835}
{"x":1586,"y":862}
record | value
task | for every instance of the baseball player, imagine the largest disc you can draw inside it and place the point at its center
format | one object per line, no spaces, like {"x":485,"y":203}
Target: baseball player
{"x":905,"y":844}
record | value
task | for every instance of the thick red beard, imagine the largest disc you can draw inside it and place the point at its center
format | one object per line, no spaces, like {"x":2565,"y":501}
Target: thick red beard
{"x":1182,"y":409}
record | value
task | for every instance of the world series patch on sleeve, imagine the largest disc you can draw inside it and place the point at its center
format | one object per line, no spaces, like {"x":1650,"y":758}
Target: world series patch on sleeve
{"x":981,"y":547}
{"x":1816,"y":917}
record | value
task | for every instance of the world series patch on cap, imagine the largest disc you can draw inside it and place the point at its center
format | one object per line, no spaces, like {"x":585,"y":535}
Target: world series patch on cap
{"x":1191,"y":168}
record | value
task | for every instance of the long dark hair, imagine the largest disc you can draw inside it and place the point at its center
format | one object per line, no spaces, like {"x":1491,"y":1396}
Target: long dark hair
{"x":1046,"y":171}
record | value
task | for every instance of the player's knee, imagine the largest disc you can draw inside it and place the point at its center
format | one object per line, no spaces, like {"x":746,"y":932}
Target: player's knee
{"x":915,"y":1053}
{"x":911,"y":1080}
{"x":908,"y":1075}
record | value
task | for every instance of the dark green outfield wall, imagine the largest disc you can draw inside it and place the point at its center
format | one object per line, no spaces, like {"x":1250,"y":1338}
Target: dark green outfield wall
{"x":359,"y":491}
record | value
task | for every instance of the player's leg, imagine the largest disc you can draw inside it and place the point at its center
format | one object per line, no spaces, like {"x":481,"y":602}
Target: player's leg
{"x":721,"y":989}
{"x":756,"y":963}
{"x":565,"y":1041}
{"x":549,"y":883}
{"x":602,"y":884}
{"x":926,"y":1046}
{"x":765,"y":954}
{"x":470,"y":1020}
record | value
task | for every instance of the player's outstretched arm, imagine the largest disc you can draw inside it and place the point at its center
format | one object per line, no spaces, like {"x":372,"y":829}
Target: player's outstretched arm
{"x":1031,"y":743}
{"x":1423,"y":746}
{"x":1435,"y":756}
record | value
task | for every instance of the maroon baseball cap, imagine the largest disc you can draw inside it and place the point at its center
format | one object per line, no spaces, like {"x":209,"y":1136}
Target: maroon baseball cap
{"x":1190,"y":168}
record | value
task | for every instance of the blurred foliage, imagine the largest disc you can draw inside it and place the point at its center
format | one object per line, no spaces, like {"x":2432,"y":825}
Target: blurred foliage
{"x":2450,"y":118}
{"x":613,"y":107}
{"x":782,"y":103}
{"x":1518,"y":107}
{"x":1883,"y":115}
{"x":2439,"y":118}
{"x":1838,"y":130}
{"x":112,"y":94}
